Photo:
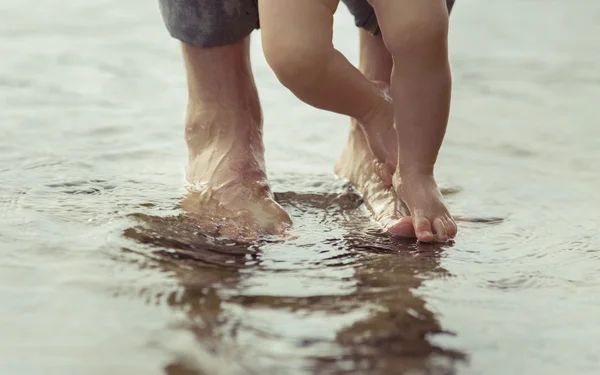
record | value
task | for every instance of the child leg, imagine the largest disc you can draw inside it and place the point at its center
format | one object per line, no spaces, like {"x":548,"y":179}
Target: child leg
{"x":415,"y":32}
{"x":297,"y":41}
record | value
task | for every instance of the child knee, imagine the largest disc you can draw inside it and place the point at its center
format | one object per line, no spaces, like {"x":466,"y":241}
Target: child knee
{"x":298,"y":64}
{"x":420,"y":37}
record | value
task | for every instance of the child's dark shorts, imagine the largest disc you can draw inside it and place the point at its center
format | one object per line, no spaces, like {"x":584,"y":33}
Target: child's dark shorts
{"x":210,"y":23}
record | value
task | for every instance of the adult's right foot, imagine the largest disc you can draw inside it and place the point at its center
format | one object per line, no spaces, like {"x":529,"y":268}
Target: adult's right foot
{"x":230,"y":195}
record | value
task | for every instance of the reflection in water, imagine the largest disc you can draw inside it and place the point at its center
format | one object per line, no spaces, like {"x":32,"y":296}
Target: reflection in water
{"x":373,"y":320}
{"x":92,"y":132}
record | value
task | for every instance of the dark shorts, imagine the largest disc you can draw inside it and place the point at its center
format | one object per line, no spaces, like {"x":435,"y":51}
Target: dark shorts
{"x":210,"y":23}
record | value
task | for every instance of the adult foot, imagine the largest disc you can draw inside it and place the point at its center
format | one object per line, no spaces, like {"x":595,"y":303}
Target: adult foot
{"x":230,"y":195}
{"x":357,"y":166}
{"x":430,"y":217}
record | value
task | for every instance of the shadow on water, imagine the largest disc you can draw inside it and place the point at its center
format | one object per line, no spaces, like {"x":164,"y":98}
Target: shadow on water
{"x":362,"y":286}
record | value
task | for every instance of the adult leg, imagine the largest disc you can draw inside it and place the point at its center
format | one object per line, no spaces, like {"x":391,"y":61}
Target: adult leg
{"x":223,"y":121}
{"x":415,"y":32}
{"x":224,"y":138}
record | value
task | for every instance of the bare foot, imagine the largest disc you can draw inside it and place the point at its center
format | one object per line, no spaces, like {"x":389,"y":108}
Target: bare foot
{"x":420,"y":193}
{"x":230,"y":195}
{"x":381,"y":135}
{"x":357,"y":166}
{"x":430,"y":217}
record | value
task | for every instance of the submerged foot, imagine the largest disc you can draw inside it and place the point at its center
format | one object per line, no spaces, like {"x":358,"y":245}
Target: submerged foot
{"x":357,"y":166}
{"x":230,"y":195}
{"x":431,"y":219}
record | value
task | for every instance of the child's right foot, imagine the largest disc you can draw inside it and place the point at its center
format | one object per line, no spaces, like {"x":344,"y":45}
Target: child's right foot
{"x":420,"y":193}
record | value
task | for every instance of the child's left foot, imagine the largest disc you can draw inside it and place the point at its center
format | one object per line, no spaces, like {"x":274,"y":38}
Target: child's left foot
{"x":430,"y":217}
{"x":381,"y":137}
{"x":356,"y":166}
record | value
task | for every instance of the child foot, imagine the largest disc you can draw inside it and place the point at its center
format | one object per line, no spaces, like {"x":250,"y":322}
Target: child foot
{"x":380,"y":135}
{"x":356,"y":165}
{"x":430,"y":217}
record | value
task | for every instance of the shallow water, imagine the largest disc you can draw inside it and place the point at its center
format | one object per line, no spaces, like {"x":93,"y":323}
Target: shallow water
{"x":100,"y":273}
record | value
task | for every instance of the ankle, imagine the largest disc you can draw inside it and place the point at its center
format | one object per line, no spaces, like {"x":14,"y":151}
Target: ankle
{"x":382,"y":111}
{"x":415,"y":171}
{"x":355,"y":128}
{"x":207,"y":126}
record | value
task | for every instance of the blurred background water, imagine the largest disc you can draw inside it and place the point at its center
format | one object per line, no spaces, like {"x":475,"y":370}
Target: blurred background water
{"x":100,"y":273}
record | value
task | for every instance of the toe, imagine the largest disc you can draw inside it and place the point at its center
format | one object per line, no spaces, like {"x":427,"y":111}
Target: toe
{"x":423,"y":229}
{"x":451,"y":227}
{"x":403,"y":228}
{"x":441,"y":232}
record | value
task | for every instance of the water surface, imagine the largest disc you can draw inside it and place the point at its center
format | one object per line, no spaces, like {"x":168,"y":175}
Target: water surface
{"x":100,"y":272}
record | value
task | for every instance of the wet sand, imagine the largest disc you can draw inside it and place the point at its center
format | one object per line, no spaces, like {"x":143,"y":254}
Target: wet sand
{"x":100,"y":272}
